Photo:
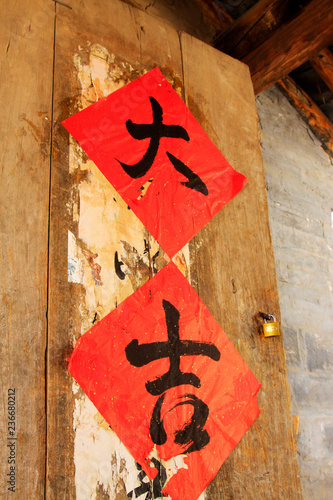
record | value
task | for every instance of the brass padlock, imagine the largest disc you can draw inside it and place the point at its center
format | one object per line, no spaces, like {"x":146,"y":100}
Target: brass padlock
{"x":271,"y":328}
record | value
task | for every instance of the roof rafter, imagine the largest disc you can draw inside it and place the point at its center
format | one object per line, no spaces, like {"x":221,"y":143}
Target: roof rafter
{"x":292,"y":44}
{"x":252,"y":28}
{"x":323,"y":65}
{"x":319,"y":123}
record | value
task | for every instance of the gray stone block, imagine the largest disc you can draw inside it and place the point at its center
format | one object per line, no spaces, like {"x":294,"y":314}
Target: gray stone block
{"x":319,"y":352}
{"x":288,"y":218}
{"x":305,"y":314}
{"x":312,"y":440}
{"x":290,"y":237}
{"x":311,"y":392}
{"x":280,"y":199}
{"x":328,"y":437}
{"x":320,"y":489}
{"x":294,"y":352}
{"x":301,"y":259}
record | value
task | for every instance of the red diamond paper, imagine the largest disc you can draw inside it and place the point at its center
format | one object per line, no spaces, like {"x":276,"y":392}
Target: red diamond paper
{"x":124,"y":364}
{"x":149,"y":146}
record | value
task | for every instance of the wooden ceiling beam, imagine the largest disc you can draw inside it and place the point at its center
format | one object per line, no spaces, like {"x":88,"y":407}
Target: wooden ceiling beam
{"x":253,"y":27}
{"x":292,"y":44}
{"x":321,"y":126}
{"x":217,"y":15}
{"x":323,"y":65}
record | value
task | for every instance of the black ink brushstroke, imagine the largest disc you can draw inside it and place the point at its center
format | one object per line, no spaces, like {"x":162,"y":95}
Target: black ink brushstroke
{"x":117,"y":265}
{"x":193,"y":436}
{"x":154,"y":131}
{"x":194,"y":181}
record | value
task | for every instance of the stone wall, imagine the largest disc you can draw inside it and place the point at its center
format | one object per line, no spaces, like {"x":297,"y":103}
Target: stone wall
{"x":299,"y":177}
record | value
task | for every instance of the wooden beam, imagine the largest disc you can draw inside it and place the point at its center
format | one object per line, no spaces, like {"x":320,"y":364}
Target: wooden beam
{"x":319,"y":123}
{"x":216,"y":14}
{"x":323,"y":64}
{"x":200,"y":18}
{"x":292,"y":44}
{"x":253,"y":27}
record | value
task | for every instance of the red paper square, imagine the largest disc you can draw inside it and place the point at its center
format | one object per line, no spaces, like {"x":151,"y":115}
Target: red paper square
{"x":124,"y":382}
{"x":145,"y":130}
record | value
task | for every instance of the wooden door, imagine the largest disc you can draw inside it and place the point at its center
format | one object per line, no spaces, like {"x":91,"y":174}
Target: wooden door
{"x":97,"y":49}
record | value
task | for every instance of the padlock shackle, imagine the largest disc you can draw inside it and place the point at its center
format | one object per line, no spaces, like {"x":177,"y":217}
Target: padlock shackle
{"x":267,"y":317}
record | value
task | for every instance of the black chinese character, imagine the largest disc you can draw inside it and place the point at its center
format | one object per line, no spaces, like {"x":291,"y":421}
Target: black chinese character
{"x":142,"y":354}
{"x":155,"y":131}
{"x":192,"y":436}
{"x":151,"y":488}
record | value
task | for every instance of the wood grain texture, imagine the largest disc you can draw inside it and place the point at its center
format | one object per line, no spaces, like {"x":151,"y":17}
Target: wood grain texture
{"x":26,"y":49}
{"x":291,"y":45}
{"x":85,"y":27}
{"x":252,"y":28}
{"x":98,"y":49}
{"x":200,"y":18}
{"x":323,"y":64}
{"x":317,"y":120}
{"x":234,"y":263}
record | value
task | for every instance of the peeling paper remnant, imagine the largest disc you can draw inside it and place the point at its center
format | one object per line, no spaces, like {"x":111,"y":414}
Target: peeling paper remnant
{"x":75,"y":266}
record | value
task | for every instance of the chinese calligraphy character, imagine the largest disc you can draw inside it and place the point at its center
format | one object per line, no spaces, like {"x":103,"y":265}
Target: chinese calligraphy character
{"x":138,"y":355}
{"x":142,"y":354}
{"x":155,"y":131}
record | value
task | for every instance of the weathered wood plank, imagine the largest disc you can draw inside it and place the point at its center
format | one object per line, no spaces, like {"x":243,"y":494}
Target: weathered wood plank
{"x":317,"y":120}
{"x":98,"y":49}
{"x":26,"y":48}
{"x":80,"y":62}
{"x":289,"y":46}
{"x":323,"y":64}
{"x":233,"y":260}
